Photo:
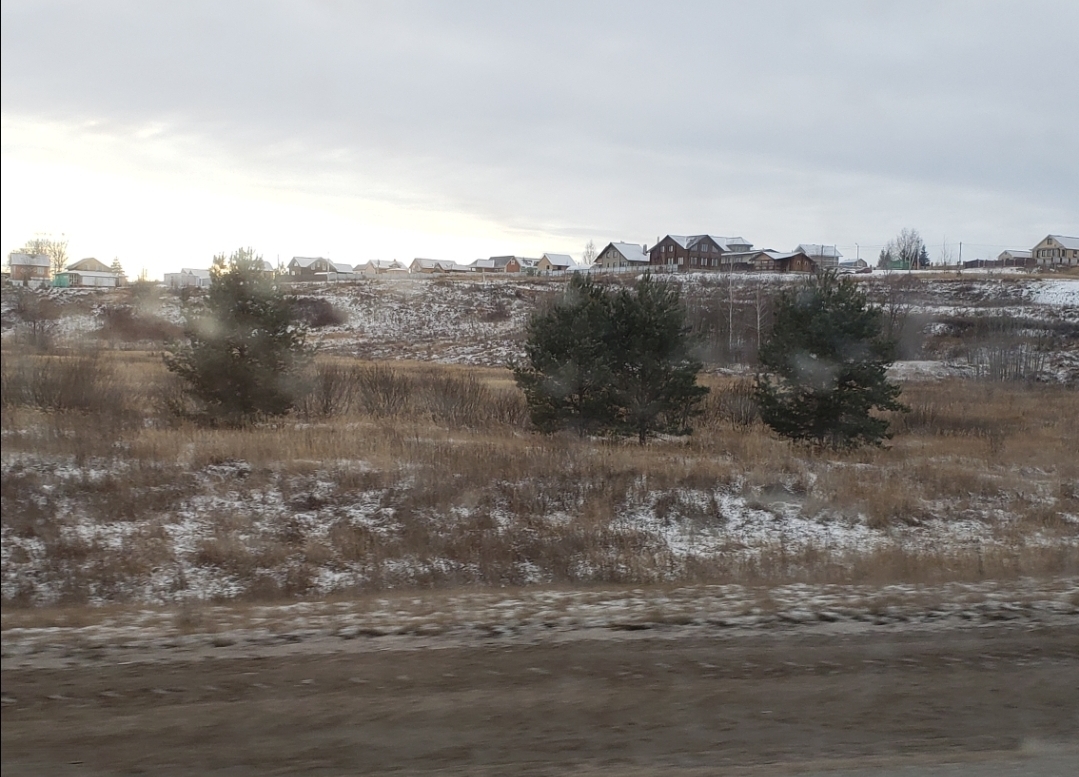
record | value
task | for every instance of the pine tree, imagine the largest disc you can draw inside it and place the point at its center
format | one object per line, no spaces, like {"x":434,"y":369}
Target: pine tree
{"x":823,"y":367}
{"x":568,"y":381}
{"x":599,"y":360}
{"x":245,"y":349}
{"x":656,"y":376}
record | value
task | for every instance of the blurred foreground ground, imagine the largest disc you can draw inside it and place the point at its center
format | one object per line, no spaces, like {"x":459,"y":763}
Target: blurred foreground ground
{"x":857,"y":698}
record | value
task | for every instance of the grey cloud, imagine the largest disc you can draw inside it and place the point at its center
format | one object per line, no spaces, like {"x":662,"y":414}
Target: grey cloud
{"x":587,"y":115}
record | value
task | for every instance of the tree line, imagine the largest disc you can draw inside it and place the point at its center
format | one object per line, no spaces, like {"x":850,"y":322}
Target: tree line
{"x":598,"y":360}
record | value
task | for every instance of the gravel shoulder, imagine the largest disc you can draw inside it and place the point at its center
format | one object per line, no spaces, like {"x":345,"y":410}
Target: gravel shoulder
{"x":888,"y":695}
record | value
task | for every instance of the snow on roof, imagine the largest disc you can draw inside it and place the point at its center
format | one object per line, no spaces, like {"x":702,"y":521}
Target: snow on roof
{"x":89,"y":273}
{"x":1071,"y":243}
{"x":341,"y":267}
{"x":818,"y":249}
{"x":307,"y":261}
{"x":34,"y":260}
{"x":633,"y":252}
{"x":1018,"y":253}
{"x":496,"y":261}
{"x":88,"y":264}
{"x":442,"y":264}
{"x":560,"y":260}
{"x":725,"y":243}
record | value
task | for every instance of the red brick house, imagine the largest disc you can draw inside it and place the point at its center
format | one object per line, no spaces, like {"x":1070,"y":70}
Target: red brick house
{"x":30,"y":269}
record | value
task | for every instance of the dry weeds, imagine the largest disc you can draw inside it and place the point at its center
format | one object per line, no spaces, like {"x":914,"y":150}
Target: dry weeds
{"x":419,"y":476}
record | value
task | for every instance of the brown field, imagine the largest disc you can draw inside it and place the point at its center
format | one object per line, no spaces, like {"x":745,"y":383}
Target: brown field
{"x":89,"y":441}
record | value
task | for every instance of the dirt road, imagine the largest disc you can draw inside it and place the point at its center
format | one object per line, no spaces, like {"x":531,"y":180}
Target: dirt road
{"x":1001,"y":698}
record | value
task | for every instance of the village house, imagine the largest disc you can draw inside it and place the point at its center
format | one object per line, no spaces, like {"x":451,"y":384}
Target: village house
{"x":619,"y":255}
{"x":381,"y":267}
{"x":767,"y":260}
{"x":88,"y":272}
{"x":695,"y":252}
{"x":857,"y":265}
{"x":502,"y":264}
{"x":310,"y":268}
{"x":188,"y":277}
{"x":436,"y":267}
{"x":89,"y":264}
{"x":825,"y":257}
{"x":29,"y":269}
{"x":1014,"y":257}
{"x":794,"y":261}
{"x":1057,"y":251}
{"x":556,"y":263}
{"x":339,"y":271}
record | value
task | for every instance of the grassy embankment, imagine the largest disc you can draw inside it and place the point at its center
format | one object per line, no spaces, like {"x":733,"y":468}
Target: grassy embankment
{"x":412,"y":476}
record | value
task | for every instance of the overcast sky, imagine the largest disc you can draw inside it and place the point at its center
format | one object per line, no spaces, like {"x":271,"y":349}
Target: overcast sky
{"x":165,"y":132}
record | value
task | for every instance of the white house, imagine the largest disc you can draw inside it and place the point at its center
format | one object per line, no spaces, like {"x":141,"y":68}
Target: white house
{"x":1057,"y":251}
{"x":188,"y":277}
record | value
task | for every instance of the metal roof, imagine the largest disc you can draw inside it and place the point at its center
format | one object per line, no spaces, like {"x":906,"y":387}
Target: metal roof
{"x":307,"y":261}
{"x":1071,"y":243}
{"x":632,"y":252}
{"x":818,"y":249}
{"x":32,"y":260}
{"x":725,"y":243}
{"x":560,"y":260}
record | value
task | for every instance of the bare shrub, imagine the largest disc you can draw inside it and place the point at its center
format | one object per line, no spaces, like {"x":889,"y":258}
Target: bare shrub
{"x":333,"y":388}
{"x":38,"y":314}
{"x":381,"y":391}
{"x":733,"y":403}
{"x":80,"y":382}
{"x":463,"y":401}
{"x":499,"y":311}
{"x":453,"y":400}
{"x":1008,"y":361}
{"x":126,"y":324}
{"x":317,"y":312}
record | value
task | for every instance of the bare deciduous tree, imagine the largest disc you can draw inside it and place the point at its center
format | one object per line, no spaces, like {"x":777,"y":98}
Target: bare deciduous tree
{"x":905,"y":251}
{"x":47,"y":245}
{"x":588,"y":258}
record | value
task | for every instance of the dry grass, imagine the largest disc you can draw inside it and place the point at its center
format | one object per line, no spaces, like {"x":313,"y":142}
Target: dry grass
{"x":422,"y":476}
